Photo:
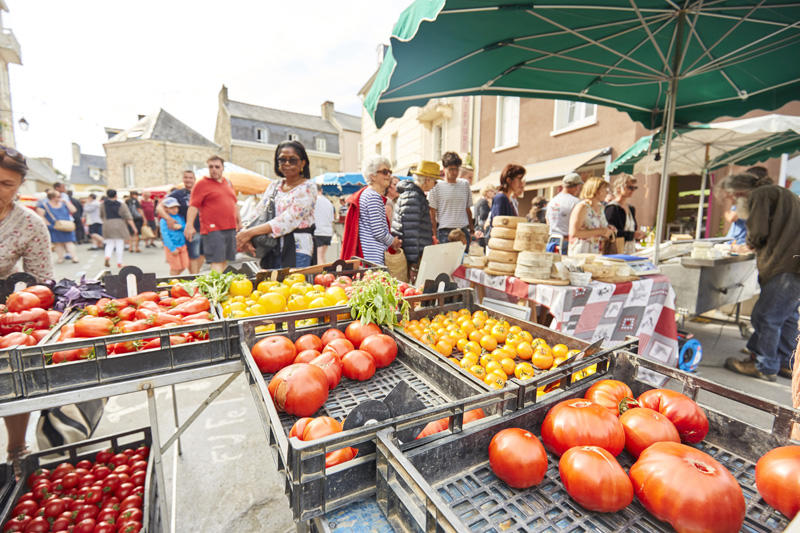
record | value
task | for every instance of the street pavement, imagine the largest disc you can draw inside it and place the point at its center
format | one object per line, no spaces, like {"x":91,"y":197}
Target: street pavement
{"x":226,"y":477}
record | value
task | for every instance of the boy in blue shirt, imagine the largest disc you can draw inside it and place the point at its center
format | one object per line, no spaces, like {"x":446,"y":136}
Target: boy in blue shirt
{"x":174,"y":241}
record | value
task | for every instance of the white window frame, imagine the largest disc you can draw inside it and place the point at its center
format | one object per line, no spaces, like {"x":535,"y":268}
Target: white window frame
{"x":129,"y":175}
{"x":294,"y":137}
{"x":379,"y":149}
{"x":393,"y":148}
{"x":262,"y":135}
{"x":501,"y":131}
{"x":585,"y":111}
{"x":263,"y":167}
{"x":321,"y":144}
{"x":437,"y":140}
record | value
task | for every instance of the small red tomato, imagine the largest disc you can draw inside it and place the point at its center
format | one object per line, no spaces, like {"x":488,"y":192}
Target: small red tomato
{"x":86,"y":525}
{"x":331,"y":334}
{"x":104,"y":456}
{"x":119,"y":459}
{"x":517,"y":457}
{"x":124,"y":490}
{"x":133,"y":501}
{"x":84,"y":464}
{"x":138,"y":478}
{"x":132,"y":514}
{"x":308,"y":342}
{"x":358,"y":365}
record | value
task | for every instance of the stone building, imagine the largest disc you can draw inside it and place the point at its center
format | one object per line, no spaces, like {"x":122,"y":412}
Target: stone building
{"x":248,"y":135}
{"x":155,"y":151}
{"x":88,"y":172}
{"x":9,"y":53}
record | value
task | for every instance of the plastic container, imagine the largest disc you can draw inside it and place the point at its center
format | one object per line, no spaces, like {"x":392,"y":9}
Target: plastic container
{"x":447,"y":485}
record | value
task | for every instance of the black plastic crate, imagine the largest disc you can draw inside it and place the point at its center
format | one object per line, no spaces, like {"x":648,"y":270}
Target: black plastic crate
{"x":87,"y":449}
{"x":447,"y":485}
{"x":313,"y":489}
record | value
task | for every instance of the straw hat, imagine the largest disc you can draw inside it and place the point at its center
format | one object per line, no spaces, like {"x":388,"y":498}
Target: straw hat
{"x":428,"y":169}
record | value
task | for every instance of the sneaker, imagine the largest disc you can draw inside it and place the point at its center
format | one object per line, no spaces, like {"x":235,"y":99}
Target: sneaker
{"x":785,"y":372}
{"x":747,"y":367}
{"x":15,"y":459}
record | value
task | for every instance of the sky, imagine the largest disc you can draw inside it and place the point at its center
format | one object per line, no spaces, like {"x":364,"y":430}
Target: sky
{"x":88,"y":64}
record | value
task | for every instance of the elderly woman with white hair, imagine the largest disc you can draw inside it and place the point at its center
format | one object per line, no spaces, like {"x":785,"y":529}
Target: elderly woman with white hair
{"x":366,"y":227}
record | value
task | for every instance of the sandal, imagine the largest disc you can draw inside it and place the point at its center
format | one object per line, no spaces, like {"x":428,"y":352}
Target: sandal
{"x":15,"y":459}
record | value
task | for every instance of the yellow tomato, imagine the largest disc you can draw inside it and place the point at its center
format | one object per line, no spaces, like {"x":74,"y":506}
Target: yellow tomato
{"x":493,"y":366}
{"x":241,"y":287}
{"x":526,"y":335}
{"x":265,"y":286}
{"x":467,"y":362}
{"x":472,"y":347}
{"x":300,"y":288}
{"x":257,"y":309}
{"x":495,"y":380}
{"x":237,"y":298}
{"x":272,"y":302}
{"x":461,"y":343}
{"x":488,"y":343}
{"x":478,"y":371}
{"x":239,"y":314}
{"x":294,"y":278}
{"x":226,"y":309}
{"x":297,"y":302}
{"x":560,"y":350}
{"x":255,"y":295}
{"x":264,"y":329}
{"x":317,"y":303}
{"x":337,"y":293}
{"x":237,"y":306}
{"x":523,"y":371}
{"x":283,"y":290}
{"x":508,"y":365}
{"x":524,"y":350}
{"x":515,"y":329}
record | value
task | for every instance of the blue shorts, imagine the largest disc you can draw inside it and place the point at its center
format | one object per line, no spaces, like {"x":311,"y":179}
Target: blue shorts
{"x":195,"y":247}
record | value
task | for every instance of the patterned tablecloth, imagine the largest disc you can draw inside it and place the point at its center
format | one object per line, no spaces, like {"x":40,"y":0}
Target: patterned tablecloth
{"x":644,"y":308}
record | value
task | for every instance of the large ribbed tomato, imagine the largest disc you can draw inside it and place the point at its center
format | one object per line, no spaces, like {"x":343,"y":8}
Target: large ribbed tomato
{"x":687,"y":488}
{"x":322,"y":426}
{"x":608,"y":393}
{"x":689,"y":419}
{"x":442,"y":424}
{"x":778,"y":479}
{"x":594,"y":479}
{"x":644,"y":427}
{"x":330,"y":363}
{"x":299,"y":427}
{"x":299,"y":389}
{"x":579,"y":422}
{"x":518,"y":458}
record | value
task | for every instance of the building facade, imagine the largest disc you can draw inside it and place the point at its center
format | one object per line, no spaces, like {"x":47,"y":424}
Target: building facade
{"x":9,"y":53}
{"x":88,"y":172}
{"x":249,"y":134}
{"x":155,"y":151}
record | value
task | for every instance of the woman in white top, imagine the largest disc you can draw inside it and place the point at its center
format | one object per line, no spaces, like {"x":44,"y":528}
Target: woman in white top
{"x":588,"y":228}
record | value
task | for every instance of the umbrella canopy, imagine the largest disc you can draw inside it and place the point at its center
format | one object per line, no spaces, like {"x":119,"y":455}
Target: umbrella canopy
{"x":343,"y":183}
{"x":710,"y":146}
{"x":660,"y":61}
{"x":244,"y":181}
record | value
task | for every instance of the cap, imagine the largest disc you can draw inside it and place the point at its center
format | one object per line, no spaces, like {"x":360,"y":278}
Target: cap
{"x":571,"y":179}
{"x":169,"y":201}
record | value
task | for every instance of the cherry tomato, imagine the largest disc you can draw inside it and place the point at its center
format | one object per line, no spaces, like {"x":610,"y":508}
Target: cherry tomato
{"x":104,"y":456}
{"x":138,"y":465}
{"x":38,"y":475}
{"x":28,"y":507}
{"x":517,"y":457}
{"x":54,"y":507}
{"x":119,"y":459}
{"x":107,"y":514}
{"x":86,"y":525}
{"x":138,"y":478}
{"x":133,"y":501}
{"x":132,"y":514}
{"x":61,"y":470}
{"x":594,"y":479}
{"x":84,"y":464}
{"x":100,"y":471}
{"x":144,"y":451}
{"x":110,"y":483}
{"x":124,"y":490}
{"x":37,"y":524}
{"x":130,"y":527}
{"x":18,"y":523}
{"x":86,"y":511}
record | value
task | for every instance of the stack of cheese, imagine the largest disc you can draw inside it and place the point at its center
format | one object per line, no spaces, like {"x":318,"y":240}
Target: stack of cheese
{"x":502,"y":257}
{"x":534,"y":266}
{"x":531,"y":237}
{"x":475,"y":258}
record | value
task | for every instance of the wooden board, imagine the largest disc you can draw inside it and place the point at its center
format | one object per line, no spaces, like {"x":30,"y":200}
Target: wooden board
{"x":551,"y":281}
{"x":616,"y":279}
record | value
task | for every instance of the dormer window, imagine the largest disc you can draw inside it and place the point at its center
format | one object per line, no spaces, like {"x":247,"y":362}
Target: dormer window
{"x":294,"y":137}
{"x":262,"y":135}
{"x":321,"y":144}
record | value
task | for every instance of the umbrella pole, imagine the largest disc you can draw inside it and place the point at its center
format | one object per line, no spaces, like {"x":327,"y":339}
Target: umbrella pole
{"x":664,"y":182}
{"x":703,"y":182}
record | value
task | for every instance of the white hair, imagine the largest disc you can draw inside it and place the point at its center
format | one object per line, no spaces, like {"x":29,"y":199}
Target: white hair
{"x":371,"y":165}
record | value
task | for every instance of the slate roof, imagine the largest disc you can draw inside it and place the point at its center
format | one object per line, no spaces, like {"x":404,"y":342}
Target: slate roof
{"x":277,"y":116}
{"x":40,"y":171}
{"x":80,"y":173}
{"x":348,"y":122}
{"x":161,"y":126}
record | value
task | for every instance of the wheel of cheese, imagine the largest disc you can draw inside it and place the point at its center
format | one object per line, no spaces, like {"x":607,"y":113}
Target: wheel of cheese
{"x":502,"y":268}
{"x":507,"y":245}
{"x":535,"y":259}
{"x":503,"y":233}
{"x":499,"y":256}
{"x":501,"y":221}
{"x":523,"y":271}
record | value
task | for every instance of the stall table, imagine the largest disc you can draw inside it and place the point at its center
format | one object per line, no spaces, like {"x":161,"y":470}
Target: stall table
{"x":644,"y":308}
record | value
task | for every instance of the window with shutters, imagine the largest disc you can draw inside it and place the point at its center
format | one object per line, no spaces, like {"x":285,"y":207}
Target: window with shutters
{"x":507,"y":122}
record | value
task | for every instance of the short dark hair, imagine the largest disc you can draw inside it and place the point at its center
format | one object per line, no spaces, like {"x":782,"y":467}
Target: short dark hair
{"x":758,"y":171}
{"x":300,"y":150}
{"x":58,"y":184}
{"x":214,"y":158}
{"x":510,"y":172}
{"x":450,"y":159}
{"x":11,"y":159}
{"x":111,"y":193}
{"x":92,"y":196}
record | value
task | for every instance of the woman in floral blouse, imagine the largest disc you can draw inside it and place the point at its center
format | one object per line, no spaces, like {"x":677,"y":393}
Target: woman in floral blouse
{"x":23,"y":235}
{"x":293,"y":224}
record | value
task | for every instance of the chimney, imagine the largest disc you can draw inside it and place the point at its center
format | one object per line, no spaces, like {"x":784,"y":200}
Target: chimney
{"x":223,"y":95}
{"x":47,"y":161}
{"x":327,"y":110}
{"x":140,"y":117}
{"x":76,"y":155}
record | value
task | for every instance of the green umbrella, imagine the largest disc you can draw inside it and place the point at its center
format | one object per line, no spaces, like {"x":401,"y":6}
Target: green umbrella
{"x":727,"y":56}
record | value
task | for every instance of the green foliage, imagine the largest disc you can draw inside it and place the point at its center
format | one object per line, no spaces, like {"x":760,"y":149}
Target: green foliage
{"x":377,"y":298}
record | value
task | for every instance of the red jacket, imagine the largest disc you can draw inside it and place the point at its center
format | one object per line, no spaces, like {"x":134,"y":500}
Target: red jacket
{"x":351,"y":244}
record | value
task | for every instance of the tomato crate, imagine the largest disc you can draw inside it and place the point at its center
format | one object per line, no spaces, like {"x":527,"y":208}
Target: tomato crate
{"x":448,"y":485}
{"x":428,"y":305}
{"x":87,"y":449}
{"x":31,"y":376}
{"x":314,"y":489}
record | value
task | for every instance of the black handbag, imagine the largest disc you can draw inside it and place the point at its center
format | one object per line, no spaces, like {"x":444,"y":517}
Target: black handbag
{"x":265,"y":244}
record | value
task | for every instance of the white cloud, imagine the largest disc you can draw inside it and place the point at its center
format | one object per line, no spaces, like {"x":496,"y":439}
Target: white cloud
{"x":94,"y":63}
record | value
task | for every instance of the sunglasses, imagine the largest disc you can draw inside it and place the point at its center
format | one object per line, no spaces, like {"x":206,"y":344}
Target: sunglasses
{"x":384,"y":171}
{"x":17,"y":159}
{"x":288,"y":160}
{"x":631,"y":187}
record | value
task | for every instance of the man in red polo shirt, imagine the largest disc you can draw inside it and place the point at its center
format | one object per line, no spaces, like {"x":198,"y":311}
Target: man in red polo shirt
{"x":214,"y":200}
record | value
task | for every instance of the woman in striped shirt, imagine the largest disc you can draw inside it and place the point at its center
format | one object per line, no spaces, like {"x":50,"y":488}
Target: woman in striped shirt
{"x":373,"y":226}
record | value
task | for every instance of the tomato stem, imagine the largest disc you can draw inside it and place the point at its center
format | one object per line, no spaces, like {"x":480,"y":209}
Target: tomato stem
{"x":627,"y":403}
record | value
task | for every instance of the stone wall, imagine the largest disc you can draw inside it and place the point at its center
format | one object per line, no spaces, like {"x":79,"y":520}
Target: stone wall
{"x":154,"y":162}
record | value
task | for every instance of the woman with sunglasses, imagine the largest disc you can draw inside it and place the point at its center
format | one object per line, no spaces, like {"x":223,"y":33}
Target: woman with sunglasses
{"x":23,"y":236}
{"x":290,"y":204}
{"x":620,"y":214}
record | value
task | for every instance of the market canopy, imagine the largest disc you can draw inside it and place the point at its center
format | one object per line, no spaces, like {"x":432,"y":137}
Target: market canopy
{"x":343,"y":183}
{"x":244,"y":181}
{"x":711,"y":146}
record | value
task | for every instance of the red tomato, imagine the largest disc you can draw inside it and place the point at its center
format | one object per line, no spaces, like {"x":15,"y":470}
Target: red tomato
{"x":105,"y":527}
{"x":331,"y":334}
{"x":356,"y":332}
{"x":273,"y":353}
{"x":308,"y":342}
{"x":86,"y":525}
{"x":132,"y":514}
{"x":28,"y":507}
{"x":299,"y":427}
{"x":644,"y":427}
{"x":103,"y":456}
{"x":107,"y":514}
{"x":339,"y":347}
{"x":134,"y":501}
{"x":443,"y":423}
{"x":93,"y":326}
{"x":40,"y":474}
{"x":382,"y":348}
{"x":119,"y":459}
{"x":518,"y":458}
{"x":110,"y":483}
{"x":137,"y":465}
{"x":321,"y":426}
{"x":358,"y":365}
{"x":608,"y":393}
{"x":306,"y":356}
{"x":100,"y":471}
{"x":579,"y":422}
{"x":17,"y":338}
{"x":689,"y":419}
{"x":54,"y":317}
{"x":130,"y":526}
{"x":594,"y":479}
{"x":144,"y":451}
{"x":687,"y":488}
{"x":45,"y":295}
{"x":778,"y":479}
{"x":330,"y":363}
{"x":339,"y":456}
{"x":138,"y":478}
{"x":61,"y":523}
{"x":299,"y":389}
{"x":37,"y":524}
{"x":61,"y":470}
{"x":124,"y":490}
{"x":21,"y":301}
{"x":54,"y":507}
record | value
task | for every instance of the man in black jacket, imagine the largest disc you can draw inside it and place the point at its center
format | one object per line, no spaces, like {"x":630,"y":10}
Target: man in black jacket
{"x":411,"y":220}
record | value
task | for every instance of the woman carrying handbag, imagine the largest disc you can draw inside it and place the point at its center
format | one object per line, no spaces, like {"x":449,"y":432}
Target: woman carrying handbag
{"x":60,"y":224}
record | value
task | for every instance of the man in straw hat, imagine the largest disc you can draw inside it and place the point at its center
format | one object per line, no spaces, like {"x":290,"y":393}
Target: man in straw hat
{"x":451,"y":201}
{"x":560,"y":209}
{"x":411,"y":219}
